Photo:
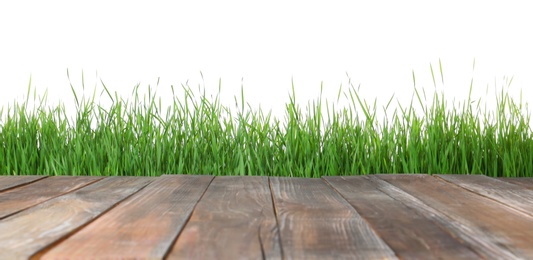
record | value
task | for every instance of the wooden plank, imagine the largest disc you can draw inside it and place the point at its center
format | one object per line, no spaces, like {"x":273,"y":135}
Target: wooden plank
{"x":499,"y":232}
{"x":234,"y":220}
{"x":144,"y":226}
{"x":24,"y":234}
{"x":315,"y":222}
{"x":409,"y":232}
{"x":515,"y":196}
{"x":474,"y":240}
{"x":9,"y":182}
{"x":522,"y":181}
{"x":15,"y":200}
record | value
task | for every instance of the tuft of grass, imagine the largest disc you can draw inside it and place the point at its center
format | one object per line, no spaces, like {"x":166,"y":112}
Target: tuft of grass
{"x":197,"y":135}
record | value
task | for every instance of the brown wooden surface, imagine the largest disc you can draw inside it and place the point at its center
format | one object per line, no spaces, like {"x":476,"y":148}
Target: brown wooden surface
{"x":30,"y":231}
{"x":524,"y":182}
{"x":8,"y":182}
{"x":144,"y":226}
{"x":205,"y":217}
{"x":512,"y":195}
{"x":409,"y":232}
{"x":17,"y":199}
{"x":471,"y":238}
{"x":234,"y":220}
{"x":505,"y":232}
{"x":315,"y":222}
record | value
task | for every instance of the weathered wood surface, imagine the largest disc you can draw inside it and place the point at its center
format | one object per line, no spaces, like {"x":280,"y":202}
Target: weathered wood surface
{"x":512,"y":195}
{"x":234,"y":220}
{"x":315,"y":222}
{"x":144,"y":226}
{"x":412,"y":234}
{"x":23,"y":197}
{"x":206,"y":217}
{"x":471,"y":238}
{"x":26,"y":233}
{"x":524,"y":182}
{"x":505,"y":232}
{"x":8,"y":182}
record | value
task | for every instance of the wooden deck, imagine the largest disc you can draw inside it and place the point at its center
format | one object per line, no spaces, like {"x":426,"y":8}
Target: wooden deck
{"x":206,"y":217}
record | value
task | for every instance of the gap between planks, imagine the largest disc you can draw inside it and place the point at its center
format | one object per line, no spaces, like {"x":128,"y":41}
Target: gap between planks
{"x":294,"y":218}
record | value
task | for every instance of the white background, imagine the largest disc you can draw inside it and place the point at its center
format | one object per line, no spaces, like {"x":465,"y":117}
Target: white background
{"x":263,"y":45}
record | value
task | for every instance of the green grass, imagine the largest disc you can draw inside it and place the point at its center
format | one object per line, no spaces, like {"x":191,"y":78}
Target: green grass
{"x":197,"y":135}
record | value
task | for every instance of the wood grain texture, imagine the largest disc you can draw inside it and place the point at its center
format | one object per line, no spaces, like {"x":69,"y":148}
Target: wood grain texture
{"x":8,"y":182}
{"x":409,"y":232}
{"x":515,"y":196}
{"x":123,"y":218}
{"x":522,"y":181}
{"x":473,"y":239}
{"x":143,"y":226}
{"x":315,"y":222}
{"x":500,"y":232}
{"x":26,"y":233}
{"x":234,"y":220}
{"x":15,"y":200}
